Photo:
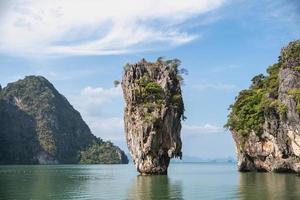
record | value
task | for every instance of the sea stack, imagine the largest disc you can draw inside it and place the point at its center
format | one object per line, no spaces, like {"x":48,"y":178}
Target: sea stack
{"x":153,"y":113}
{"x":265,"y":119}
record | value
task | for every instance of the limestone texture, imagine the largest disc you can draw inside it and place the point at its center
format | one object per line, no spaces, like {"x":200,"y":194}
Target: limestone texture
{"x":277,"y":147}
{"x":153,"y":113}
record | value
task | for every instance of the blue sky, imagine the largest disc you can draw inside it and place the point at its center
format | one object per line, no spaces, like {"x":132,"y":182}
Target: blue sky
{"x":82,"y":46}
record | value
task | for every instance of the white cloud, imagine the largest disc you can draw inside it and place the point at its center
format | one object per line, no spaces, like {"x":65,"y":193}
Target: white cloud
{"x":93,"y":27}
{"x":91,"y":100}
{"x":201,"y":129}
{"x":99,"y":96}
{"x":215,"y":86}
{"x":68,"y":75}
{"x":107,"y":128}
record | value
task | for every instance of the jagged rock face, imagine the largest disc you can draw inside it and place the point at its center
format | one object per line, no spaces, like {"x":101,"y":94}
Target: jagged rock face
{"x":56,"y":121}
{"x":18,"y":140}
{"x":278,"y":147}
{"x":39,"y":125}
{"x":153,"y":113}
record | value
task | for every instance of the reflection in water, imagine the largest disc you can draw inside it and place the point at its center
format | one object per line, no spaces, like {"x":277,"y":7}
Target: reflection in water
{"x":269,"y":186}
{"x":155,"y":187}
{"x":115,"y":182}
{"x":38,"y":182}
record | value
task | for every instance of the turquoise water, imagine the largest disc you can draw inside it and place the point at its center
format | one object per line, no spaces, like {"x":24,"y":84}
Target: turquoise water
{"x":185,"y":181}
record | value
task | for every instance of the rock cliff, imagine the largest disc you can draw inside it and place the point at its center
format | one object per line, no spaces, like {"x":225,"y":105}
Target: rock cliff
{"x":39,"y":125}
{"x":264,"y":120}
{"x":153,"y":113}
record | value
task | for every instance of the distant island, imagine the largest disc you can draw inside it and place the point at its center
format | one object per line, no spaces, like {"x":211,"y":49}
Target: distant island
{"x":39,"y":126}
{"x":265,"y":119}
{"x":195,"y":159}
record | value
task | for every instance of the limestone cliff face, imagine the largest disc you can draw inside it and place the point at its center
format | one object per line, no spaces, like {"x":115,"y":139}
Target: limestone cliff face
{"x":277,"y":147}
{"x":39,"y":125}
{"x":153,"y":113}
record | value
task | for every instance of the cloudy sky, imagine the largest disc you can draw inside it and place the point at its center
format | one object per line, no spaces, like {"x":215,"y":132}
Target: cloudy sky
{"x":82,"y":46}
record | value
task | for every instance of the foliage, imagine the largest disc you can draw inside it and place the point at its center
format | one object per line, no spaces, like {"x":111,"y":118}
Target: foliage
{"x":281,"y":108}
{"x":296,"y":94}
{"x":153,"y":91}
{"x":247,"y":113}
{"x":297,"y":68}
{"x":174,"y":67}
{"x":258,"y":81}
{"x":126,"y":66}
{"x":116,"y":83}
{"x":176,"y":100}
{"x":102,"y":153}
{"x":35,"y":118}
{"x":149,"y":117}
{"x":271,"y":84}
{"x":153,"y":88}
{"x":149,"y":93}
{"x":291,"y":52}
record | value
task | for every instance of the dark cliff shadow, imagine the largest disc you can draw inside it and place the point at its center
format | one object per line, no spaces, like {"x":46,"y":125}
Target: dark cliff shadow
{"x":155,"y":187}
{"x":18,"y":139}
{"x":268,"y":186}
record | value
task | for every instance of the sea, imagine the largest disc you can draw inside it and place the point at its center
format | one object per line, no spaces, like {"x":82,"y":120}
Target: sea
{"x":110,"y":182}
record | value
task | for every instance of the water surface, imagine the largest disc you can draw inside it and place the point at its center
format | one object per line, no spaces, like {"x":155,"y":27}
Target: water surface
{"x":185,"y":181}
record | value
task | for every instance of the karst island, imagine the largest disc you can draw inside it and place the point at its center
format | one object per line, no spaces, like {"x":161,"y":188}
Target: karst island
{"x":38,"y":125}
{"x":265,"y":119}
{"x":153,"y":113}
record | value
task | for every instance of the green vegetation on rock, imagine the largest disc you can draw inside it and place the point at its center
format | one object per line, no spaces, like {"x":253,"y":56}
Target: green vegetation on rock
{"x":148,"y":91}
{"x":153,"y":88}
{"x":296,"y":94}
{"x":290,"y":56}
{"x":116,"y":83}
{"x":247,"y":114}
{"x":264,"y":119}
{"x":297,"y":68}
{"x":101,"y":152}
{"x":39,"y":125}
{"x":150,"y":94}
{"x":153,"y":113}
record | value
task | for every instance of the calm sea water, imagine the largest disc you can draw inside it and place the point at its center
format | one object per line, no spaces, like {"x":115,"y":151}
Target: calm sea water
{"x":185,"y":181}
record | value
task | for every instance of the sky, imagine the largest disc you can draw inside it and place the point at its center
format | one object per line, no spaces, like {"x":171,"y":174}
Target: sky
{"x":82,"y":46}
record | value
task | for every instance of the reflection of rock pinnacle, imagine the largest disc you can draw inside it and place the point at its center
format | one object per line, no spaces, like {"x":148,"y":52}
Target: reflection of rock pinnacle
{"x":155,"y":187}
